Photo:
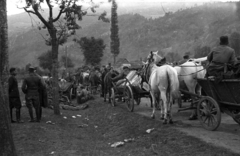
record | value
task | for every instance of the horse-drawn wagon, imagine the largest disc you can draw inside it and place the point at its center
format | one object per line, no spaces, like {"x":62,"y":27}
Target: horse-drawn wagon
{"x":131,"y":90}
{"x":221,"y":97}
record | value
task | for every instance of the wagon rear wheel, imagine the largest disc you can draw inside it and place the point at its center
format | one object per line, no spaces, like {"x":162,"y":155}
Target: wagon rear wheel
{"x":129,"y":99}
{"x":112,"y":98}
{"x":209,"y":113}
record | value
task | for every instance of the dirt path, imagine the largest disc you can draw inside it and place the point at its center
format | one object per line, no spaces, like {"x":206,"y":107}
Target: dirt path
{"x":227,"y":135}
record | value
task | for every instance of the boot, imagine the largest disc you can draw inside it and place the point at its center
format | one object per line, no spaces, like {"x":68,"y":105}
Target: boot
{"x":12,"y":121}
{"x":18,"y":116}
{"x":40,"y":113}
{"x":37,"y":111}
{"x":31,"y":115}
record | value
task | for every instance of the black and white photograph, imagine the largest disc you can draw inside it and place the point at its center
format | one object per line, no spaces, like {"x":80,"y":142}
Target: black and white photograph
{"x":119,"y":77}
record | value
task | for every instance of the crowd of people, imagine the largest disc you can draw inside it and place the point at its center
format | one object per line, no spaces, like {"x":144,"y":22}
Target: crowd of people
{"x":34,"y":86}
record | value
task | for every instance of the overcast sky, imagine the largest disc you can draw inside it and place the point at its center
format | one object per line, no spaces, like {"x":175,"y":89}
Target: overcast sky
{"x":12,"y":9}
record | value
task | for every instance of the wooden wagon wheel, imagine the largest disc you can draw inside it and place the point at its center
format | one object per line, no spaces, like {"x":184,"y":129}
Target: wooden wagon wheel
{"x":209,"y":113}
{"x":129,"y":98}
{"x":112,"y":98}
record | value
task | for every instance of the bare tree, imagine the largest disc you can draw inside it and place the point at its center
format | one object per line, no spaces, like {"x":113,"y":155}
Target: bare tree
{"x":7,"y":147}
{"x":59,"y":28}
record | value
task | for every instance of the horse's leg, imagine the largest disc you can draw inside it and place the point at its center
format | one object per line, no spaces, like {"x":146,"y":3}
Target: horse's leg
{"x":161,"y":107}
{"x":153,"y":104}
{"x":105,"y":93}
{"x":191,"y":87}
{"x":198,"y":89}
{"x":151,"y":100}
{"x":109,"y":94}
{"x":164,"y":99}
{"x":170,"y":102}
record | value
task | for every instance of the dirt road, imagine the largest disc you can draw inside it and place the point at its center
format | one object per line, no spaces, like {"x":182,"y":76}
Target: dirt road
{"x":227,"y":135}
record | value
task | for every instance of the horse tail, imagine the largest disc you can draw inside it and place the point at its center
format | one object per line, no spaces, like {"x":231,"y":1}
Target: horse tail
{"x":173,"y":83}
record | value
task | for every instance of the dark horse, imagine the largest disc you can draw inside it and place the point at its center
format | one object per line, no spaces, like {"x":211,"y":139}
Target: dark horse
{"x":94,"y":80}
{"x":108,"y":83}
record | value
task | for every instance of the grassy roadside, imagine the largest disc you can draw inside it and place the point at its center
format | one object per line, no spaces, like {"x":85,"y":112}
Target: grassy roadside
{"x":99,"y":126}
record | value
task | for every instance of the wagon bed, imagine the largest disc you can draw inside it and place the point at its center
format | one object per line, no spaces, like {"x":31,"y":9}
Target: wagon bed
{"x":221,"y":97}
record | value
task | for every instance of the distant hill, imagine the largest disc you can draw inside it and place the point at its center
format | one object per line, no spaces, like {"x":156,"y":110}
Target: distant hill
{"x":178,"y":32}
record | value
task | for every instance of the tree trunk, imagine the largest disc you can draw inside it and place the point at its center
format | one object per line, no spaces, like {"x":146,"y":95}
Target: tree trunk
{"x":55,"y":88}
{"x":7,"y":147}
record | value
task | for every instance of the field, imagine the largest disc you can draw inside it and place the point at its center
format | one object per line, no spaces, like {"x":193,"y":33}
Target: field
{"x":101,"y":125}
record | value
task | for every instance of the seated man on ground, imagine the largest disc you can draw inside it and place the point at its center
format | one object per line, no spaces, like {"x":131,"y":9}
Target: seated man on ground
{"x":82,"y":94}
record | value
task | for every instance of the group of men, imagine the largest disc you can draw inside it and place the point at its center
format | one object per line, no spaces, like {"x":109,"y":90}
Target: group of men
{"x":32,"y":87}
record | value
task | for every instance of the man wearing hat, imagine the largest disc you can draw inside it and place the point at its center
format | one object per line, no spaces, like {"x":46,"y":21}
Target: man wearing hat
{"x":42,"y":93}
{"x":31,"y":86}
{"x":219,"y":57}
{"x":14,"y":97}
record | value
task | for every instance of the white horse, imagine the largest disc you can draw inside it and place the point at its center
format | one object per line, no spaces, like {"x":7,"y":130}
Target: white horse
{"x":188,"y":73}
{"x":163,"y":82}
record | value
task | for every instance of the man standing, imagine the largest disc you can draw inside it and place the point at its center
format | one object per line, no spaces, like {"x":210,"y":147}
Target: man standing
{"x":42,"y":93}
{"x":31,"y":87}
{"x":14,"y":97}
{"x":219,"y":57}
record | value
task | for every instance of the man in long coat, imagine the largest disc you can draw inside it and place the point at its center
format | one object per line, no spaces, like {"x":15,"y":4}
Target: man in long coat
{"x":31,"y":87}
{"x":14,"y":96}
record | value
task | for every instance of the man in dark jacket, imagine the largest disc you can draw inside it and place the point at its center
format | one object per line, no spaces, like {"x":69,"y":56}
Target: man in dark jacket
{"x":14,"y":97}
{"x":219,"y":57}
{"x":31,"y":86}
{"x":42,"y":93}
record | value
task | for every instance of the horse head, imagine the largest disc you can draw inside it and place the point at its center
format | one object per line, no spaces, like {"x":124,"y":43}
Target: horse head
{"x":153,"y":57}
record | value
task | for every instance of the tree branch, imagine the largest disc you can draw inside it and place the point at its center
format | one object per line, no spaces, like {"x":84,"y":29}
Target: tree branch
{"x":41,"y":18}
{"x":61,"y":11}
{"x":59,"y":15}
{"x":50,"y":9}
{"x":29,"y":11}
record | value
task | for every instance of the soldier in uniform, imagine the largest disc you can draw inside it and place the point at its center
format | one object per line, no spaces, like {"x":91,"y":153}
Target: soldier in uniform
{"x":31,"y":86}
{"x":14,"y":97}
{"x":42,"y":93}
{"x":219,"y":57}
